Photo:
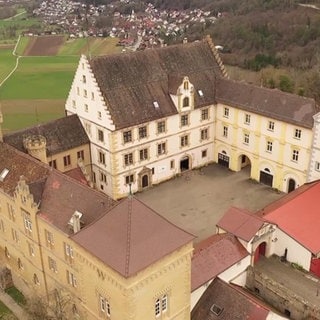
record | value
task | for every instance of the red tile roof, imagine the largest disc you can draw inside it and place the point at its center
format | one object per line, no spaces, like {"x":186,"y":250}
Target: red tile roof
{"x":233,"y":302}
{"x":297,"y":214}
{"x":131,"y":236}
{"x":77,"y":174}
{"x":62,"y":196}
{"x":241,"y":223}
{"x":214,"y":255}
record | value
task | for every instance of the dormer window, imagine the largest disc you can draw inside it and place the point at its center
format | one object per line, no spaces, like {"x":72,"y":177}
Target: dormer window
{"x":185,"y":102}
{"x":186,"y":85}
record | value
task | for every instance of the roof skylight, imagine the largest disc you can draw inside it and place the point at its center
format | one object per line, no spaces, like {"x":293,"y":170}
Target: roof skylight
{"x":3,"y":174}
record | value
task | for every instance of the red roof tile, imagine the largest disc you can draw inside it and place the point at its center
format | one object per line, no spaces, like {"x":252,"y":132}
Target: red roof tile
{"x":77,"y":174}
{"x":131,"y":236}
{"x":233,"y":302}
{"x":241,"y":223}
{"x":297,"y":214}
{"x":214,"y":255}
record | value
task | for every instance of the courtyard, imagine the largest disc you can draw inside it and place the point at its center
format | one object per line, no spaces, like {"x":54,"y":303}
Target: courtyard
{"x":196,"y":200}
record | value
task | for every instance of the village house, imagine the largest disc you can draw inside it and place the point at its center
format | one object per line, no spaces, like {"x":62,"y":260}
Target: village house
{"x":154,"y":114}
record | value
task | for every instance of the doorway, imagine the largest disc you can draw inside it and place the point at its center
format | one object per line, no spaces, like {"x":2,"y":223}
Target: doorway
{"x":184,"y":164}
{"x":266,"y":177}
{"x":291,"y":185}
{"x":145,"y":181}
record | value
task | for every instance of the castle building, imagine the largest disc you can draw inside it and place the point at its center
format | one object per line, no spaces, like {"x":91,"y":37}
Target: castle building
{"x":154,"y":114}
{"x":61,"y":238}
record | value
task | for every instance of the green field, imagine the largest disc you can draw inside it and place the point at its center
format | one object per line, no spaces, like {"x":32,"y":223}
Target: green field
{"x":37,"y":90}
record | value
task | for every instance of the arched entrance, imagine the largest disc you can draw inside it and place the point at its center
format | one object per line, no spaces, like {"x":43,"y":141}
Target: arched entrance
{"x":291,"y":185}
{"x":260,"y":251}
{"x":244,"y":164}
{"x":223,"y":159}
{"x":266,"y":177}
{"x":144,"y":178}
{"x":184,"y":164}
{"x":145,"y":181}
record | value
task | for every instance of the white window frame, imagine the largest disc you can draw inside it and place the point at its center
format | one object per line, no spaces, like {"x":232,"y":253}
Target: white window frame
{"x":271,"y":125}
{"x":297,"y":133}
{"x":295,"y":155}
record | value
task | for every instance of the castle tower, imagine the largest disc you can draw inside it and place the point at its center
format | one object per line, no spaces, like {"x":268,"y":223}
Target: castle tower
{"x":36,"y":147}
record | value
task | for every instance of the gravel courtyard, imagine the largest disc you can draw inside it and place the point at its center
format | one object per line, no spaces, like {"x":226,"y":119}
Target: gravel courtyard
{"x":197,"y":200}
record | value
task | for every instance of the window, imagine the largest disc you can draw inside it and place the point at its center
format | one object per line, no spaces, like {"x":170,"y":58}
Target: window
{"x":36,"y":279}
{"x":67,"y":160}
{"x":86,"y":108}
{"x":161,"y":126}
{"x":246,"y":138}
{"x":80,"y":155}
{"x":53,"y":164}
{"x":85,"y":93}
{"x":247,"y":119}
{"x":142,"y":132}
{"x":102,"y":157}
{"x":143,"y":154}
{"x":185,"y":85}
{"x":128,"y":159}
{"x":172,"y":164}
{"x":295,"y":155}
{"x":317,"y":166}
{"x":20,"y":265}
{"x":216,"y":310}
{"x":204,"y":153}
{"x":31,"y":249}
{"x":161,"y":148}
{"x":271,"y":126}
{"x":100,"y":135}
{"x":6,"y":252}
{"x":68,"y":250}
{"x":103,"y":177}
{"x":99,"y":115}
{"x":161,"y":305}
{"x":127,"y":136}
{"x":204,"y":134}
{"x":87,"y":127}
{"x":185,"y":102}
{"x":84,"y":79}
{"x":297,"y":133}
{"x":129,"y":179}
{"x":226,"y":112}
{"x":78,"y":91}
{"x":52,"y":264}
{"x":11,"y":211}
{"x":225,"y":131}
{"x":74,"y":103}
{"x":49,"y":238}
{"x":104,"y":306}
{"x":71,"y":278}
{"x":184,"y":141}
{"x":184,"y":120}
{"x":15,"y":236}
{"x":92,"y":95}
{"x":27,"y":222}
{"x":269,"y":146}
{"x":205,"y":114}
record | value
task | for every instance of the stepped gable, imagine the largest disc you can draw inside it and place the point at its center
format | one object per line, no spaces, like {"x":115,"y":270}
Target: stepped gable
{"x":62,"y":196}
{"x":20,"y":164}
{"x":213,"y":256}
{"x":130,"y":237}
{"x":62,"y":134}
{"x":271,"y":103}
{"x":131,"y":82}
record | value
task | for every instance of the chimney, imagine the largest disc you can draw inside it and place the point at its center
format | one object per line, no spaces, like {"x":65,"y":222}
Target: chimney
{"x":75,"y":221}
{"x":185,"y":40}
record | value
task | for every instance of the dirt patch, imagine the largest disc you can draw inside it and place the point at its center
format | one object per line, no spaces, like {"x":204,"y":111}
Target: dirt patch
{"x":44,"y":46}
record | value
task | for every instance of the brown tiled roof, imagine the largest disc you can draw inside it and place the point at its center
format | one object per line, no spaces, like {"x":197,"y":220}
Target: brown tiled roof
{"x":271,"y":103}
{"x":131,"y":82}
{"x":241,"y":223}
{"x":235,"y":304}
{"x":214,"y":255}
{"x":130,"y":237}
{"x":78,"y":175}
{"x":20,"y":164}
{"x":61,"y":135}
{"x":62,"y":196}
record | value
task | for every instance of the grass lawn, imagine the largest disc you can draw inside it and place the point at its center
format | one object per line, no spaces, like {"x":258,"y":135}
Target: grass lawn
{"x":7,"y":61}
{"x":22,"y":45}
{"x":40,"y":78}
{"x":4,"y":310}
{"x":16,"y":295}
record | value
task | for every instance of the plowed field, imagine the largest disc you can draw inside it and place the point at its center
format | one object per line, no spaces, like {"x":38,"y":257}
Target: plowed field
{"x":44,"y":46}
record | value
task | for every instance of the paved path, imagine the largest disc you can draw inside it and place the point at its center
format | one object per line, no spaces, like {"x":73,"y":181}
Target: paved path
{"x":197,"y":200}
{"x":13,"y":306}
